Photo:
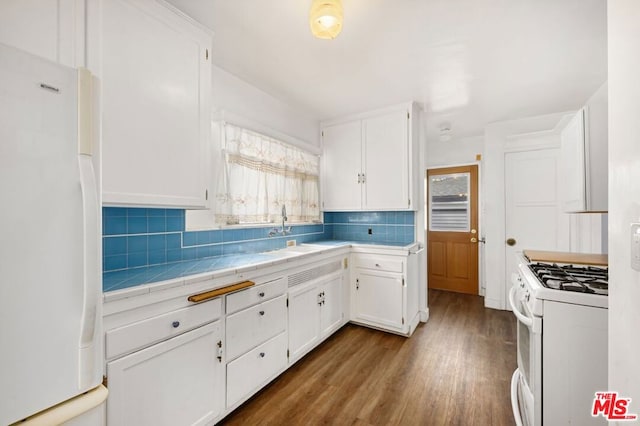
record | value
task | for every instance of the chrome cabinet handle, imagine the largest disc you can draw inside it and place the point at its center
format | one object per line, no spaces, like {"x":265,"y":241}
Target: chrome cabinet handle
{"x":175,"y":324}
{"x":261,"y":294}
{"x":262,"y":354}
{"x":261,"y":313}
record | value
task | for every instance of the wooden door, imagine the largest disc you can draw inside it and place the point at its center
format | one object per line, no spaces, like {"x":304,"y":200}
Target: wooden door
{"x":452,"y":234}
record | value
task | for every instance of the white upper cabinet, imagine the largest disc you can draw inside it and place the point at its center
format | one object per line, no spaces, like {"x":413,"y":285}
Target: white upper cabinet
{"x":385,"y":161}
{"x":572,"y":182}
{"x":583,"y":152}
{"x":156,"y":77}
{"x":341,"y":172}
{"x":369,"y":161}
{"x":52,"y":29}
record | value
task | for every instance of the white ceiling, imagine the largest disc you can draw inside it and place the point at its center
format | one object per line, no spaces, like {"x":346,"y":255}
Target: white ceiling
{"x":470,"y":62}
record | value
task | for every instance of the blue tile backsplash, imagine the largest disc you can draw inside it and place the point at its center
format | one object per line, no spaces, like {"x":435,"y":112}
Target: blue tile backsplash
{"x":138,"y":237}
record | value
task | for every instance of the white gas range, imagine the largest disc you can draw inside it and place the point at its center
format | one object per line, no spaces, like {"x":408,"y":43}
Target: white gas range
{"x":562,"y":341}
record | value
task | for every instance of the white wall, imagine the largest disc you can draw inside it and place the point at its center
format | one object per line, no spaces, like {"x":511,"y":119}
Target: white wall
{"x":624,"y":197}
{"x":231,"y":94}
{"x":454,"y":152}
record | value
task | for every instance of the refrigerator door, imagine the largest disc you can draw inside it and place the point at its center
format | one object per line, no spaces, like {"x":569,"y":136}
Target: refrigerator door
{"x":49,"y":257}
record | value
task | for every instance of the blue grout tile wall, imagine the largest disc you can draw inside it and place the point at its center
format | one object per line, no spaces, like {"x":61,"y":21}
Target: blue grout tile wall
{"x":137,"y":237}
{"x":386,"y":227}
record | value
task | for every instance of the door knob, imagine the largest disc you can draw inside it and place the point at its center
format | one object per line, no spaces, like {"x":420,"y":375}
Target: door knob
{"x":474,"y":240}
{"x":511,"y":241}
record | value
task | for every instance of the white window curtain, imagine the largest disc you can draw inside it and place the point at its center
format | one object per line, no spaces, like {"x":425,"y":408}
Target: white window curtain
{"x":259,"y":175}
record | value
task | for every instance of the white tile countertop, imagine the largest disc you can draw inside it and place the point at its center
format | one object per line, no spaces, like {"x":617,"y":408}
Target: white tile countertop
{"x":138,"y":281}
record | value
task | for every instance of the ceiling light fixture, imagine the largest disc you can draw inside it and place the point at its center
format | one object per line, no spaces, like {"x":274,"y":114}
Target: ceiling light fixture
{"x":325,"y":18}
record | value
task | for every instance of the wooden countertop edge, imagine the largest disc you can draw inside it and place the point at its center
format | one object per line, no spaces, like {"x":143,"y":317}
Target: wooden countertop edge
{"x":567,"y":257}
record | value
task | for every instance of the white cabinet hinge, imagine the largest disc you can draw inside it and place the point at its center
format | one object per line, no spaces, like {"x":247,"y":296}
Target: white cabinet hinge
{"x":402,"y":320}
{"x":287,"y":353}
{"x":287,"y":302}
{"x":219,"y":351}
{"x":357,"y":283}
{"x":403,"y":284}
{"x":408,"y":115}
{"x":206,"y":194}
{"x":409,"y":202}
{"x":206,"y":54}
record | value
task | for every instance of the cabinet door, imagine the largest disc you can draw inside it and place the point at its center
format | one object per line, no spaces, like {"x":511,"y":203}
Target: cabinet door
{"x":386,"y":162}
{"x":304,"y":328}
{"x":341,"y":187}
{"x":331,"y":309}
{"x":52,"y":29}
{"x":379,"y":298}
{"x":176,"y":382}
{"x":155,"y":96}
{"x":572,"y":163}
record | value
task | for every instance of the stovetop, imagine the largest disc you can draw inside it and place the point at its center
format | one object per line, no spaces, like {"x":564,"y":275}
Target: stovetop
{"x":576,"y":278}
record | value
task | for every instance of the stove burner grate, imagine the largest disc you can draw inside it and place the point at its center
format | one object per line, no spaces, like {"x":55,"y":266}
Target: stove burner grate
{"x":582,"y":279}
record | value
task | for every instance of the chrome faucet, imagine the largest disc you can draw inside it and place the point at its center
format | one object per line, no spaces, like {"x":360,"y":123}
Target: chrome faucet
{"x":282,"y":230}
{"x":284,"y":216}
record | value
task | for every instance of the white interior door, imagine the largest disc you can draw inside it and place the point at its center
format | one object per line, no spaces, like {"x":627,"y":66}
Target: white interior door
{"x":534,"y":217}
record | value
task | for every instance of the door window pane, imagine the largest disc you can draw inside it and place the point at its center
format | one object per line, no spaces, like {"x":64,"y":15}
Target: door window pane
{"x":449,"y":202}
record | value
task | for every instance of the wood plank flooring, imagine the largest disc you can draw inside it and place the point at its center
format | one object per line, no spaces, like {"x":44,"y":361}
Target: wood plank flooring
{"x":454,"y":370}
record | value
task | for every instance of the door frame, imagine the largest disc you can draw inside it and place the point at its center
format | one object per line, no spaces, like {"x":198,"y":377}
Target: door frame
{"x":481,"y":234}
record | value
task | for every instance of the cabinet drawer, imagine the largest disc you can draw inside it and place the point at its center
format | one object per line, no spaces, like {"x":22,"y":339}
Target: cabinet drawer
{"x":143,"y":333}
{"x":380,"y":263}
{"x":247,"y":373}
{"x":251,"y":296}
{"x":249,"y":328}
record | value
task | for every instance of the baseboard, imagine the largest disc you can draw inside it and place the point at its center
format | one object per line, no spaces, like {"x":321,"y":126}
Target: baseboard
{"x":424,"y":315}
{"x":493,"y":304}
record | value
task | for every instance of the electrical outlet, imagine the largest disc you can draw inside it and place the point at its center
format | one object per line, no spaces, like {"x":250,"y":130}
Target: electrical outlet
{"x":291,"y":243}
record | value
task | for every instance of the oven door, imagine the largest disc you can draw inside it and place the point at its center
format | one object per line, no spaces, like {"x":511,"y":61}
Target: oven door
{"x":526,"y":383}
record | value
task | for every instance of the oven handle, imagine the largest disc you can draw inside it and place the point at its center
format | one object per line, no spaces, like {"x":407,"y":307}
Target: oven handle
{"x":521,"y":317}
{"x":515,"y":407}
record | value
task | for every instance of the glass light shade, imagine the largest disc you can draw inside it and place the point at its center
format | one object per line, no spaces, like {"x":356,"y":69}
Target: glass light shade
{"x":325,"y":18}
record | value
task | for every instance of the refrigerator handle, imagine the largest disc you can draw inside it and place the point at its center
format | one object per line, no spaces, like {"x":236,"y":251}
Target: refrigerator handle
{"x":91,"y":234}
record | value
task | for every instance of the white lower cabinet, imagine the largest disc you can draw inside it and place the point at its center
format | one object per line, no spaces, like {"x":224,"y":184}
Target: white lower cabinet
{"x":315,"y":311}
{"x":256,"y":338}
{"x":246,"y":374}
{"x":175,"y":382}
{"x":379,"y":298}
{"x":194,"y":363}
{"x":384,"y":291}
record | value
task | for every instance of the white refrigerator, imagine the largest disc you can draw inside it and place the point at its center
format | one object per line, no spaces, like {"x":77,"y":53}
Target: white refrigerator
{"x":50,"y":270}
